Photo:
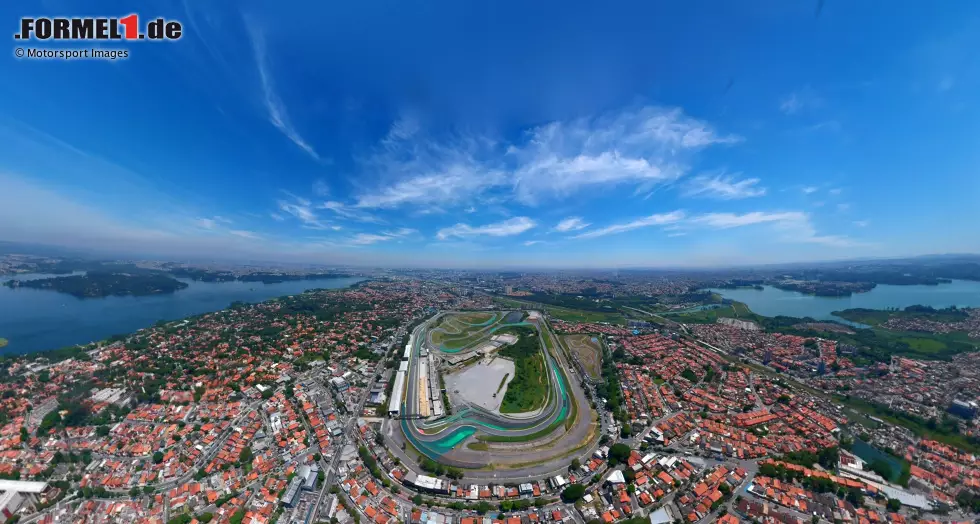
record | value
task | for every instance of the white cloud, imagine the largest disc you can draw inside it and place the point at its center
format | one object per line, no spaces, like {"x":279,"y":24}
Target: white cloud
{"x":215,"y":222}
{"x":404,"y":128}
{"x":799,"y":101}
{"x":301,"y":209}
{"x":795,"y":226}
{"x":218,"y":225}
{"x":861,"y":223}
{"x":571,"y":224}
{"x":244,"y":234}
{"x":532,"y":242}
{"x":426,"y":173}
{"x":277,"y":217}
{"x":843,"y":207}
{"x":454,"y":184}
{"x":835,"y":191}
{"x":513,"y":226}
{"x":644,"y":148}
{"x":652,"y":220}
{"x":807,"y":190}
{"x":790,"y":104}
{"x":206,"y":223}
{"x":320,"y":188}
{"x":724,"y":187}
{"x":342,"y":210}
{"x":641,"y":148}
{"x":273,"y":104}
{"x":729,"y":220}
{"x":364,"y":239}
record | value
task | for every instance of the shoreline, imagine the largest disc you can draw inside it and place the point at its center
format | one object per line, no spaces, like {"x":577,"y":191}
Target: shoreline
{"x":8,"y":351}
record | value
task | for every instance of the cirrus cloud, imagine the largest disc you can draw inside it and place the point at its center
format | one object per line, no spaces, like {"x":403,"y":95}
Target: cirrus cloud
{"x":723,"y":187}
{"x":513,"y":226}
{"x":652,"y":220}
{"x":571,"y":224}
{"x":639,"y":148}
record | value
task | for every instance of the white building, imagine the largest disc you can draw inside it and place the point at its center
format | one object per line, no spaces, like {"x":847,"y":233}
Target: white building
{"x":14,"y":493}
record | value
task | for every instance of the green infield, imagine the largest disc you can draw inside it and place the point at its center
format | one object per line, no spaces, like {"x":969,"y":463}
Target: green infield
{"x":528,"y":390}
{"x":460,"y":330}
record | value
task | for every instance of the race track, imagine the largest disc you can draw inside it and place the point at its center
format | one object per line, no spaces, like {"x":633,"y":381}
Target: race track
{"x":443,"y":440}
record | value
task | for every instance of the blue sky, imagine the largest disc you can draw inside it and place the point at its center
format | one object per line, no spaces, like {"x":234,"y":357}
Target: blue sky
{"x":538,"y":134}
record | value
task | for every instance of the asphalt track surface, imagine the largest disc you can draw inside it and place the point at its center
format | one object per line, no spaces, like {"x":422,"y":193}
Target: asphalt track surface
{"x":445,"y":439}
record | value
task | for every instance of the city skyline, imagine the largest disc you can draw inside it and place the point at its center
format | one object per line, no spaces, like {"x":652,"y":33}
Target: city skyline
{"x":507,"y":137}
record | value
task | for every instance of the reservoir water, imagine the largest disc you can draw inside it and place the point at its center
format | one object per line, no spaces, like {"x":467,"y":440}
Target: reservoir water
{"x":869,"y":454}
{"x":37,"y":320}
{"x":771,"y":302}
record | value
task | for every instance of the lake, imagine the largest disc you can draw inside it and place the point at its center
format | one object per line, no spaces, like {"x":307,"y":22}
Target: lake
{"x":771,"y":302}
{"x":869,"y":454}
{"x":38,"y":320}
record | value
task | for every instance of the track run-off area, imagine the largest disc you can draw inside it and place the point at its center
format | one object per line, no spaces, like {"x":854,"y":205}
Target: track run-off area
{"x":474,"y":437}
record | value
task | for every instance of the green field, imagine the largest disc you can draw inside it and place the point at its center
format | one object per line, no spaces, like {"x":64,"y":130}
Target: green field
{"x":457,"y":331}
{"x":924,"y":345}
{"x":567,"y":422}
{"x":588,"y":352}
{"x":886,"y":342}
{"x":474,"y":317}
{"x":528,"y":390}
{"x":568,"y":315}
{"x":928,"y":346}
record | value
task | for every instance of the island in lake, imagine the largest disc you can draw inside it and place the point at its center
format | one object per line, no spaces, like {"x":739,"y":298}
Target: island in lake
{"x":103,"y":284}
{"x":876,"y":317}
{"x":3,"y":342}
{"x":823,"y":288}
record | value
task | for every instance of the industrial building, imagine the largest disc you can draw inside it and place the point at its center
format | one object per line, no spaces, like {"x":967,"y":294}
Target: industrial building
{"x":117,"y":396}
{"x":427,"y":484}
{"x":10,"y":502}
{"x":15,"y":493}
{"x":397,"y":392}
